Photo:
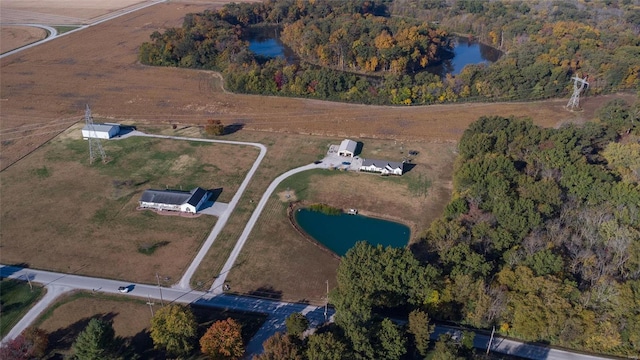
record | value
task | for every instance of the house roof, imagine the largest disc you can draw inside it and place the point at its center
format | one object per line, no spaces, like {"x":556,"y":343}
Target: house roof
{"x":196,"y":195}
{"x":173,"y":197}
{"x":383,"y":163}
{"x":348,"y":145}
{"x":101,"y":127}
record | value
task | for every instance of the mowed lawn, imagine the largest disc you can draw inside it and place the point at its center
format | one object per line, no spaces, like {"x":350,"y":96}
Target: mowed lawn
{"x":131,"y":319}
{"x":278,"y":262}
{"x":60,"y":213}
{"x":16,"y":298}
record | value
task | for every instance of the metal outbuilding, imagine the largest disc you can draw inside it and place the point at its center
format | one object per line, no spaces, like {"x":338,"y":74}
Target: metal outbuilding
{"x":173,"y":200}
{"x":347,"y":148}
{"x":100,"y":131}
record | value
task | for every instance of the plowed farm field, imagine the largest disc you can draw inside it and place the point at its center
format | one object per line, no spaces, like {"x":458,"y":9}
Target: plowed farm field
{"x":44,"y":90}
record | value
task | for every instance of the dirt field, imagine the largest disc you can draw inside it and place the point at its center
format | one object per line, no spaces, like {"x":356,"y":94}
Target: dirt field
{"x":45,"y":88}
{"x":61,"y":12}
{"x":12,"y":37}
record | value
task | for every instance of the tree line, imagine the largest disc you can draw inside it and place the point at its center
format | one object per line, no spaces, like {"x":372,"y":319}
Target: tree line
{"x":376,"y":52}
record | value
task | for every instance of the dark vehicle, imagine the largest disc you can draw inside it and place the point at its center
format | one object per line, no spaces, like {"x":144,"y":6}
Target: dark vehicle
{"x":317,"y":162}
{"x":346,"y":163}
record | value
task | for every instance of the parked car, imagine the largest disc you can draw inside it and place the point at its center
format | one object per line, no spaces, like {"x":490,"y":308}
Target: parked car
{"x":317,"y":162}
{"x":346,"y":163}
{"x":124,"y":289}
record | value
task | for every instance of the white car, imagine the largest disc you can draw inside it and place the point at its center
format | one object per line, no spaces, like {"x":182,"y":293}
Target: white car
{"x":124,"y":289}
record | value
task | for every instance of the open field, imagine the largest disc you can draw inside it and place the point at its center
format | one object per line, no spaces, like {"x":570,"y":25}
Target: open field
{"x":61,"y":12}
{"x":131,"y":321}
{"x":44,"y":89}
{"x":13,"y":37}
{"x":16,"y":298}
{"x":82,"y":218}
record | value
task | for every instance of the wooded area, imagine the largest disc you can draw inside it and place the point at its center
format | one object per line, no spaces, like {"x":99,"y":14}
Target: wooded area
{"x":540,"y":240}
{"x":376,"y":52}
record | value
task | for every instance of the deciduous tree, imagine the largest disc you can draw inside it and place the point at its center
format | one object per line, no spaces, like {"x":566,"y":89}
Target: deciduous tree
{"x":173,"y":328}
{"x":223,"y":340}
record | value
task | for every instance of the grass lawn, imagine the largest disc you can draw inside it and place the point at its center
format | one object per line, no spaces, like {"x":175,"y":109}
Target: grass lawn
{"x":16,"y":297}
{"x":277,"y":262}
{"x":60,"y":213}
{"x":131,"y":321}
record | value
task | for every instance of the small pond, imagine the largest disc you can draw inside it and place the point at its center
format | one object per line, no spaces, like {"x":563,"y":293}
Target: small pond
{"x":339,"y":233}
{"x":266,"y":43}
{"x":465,"y":52}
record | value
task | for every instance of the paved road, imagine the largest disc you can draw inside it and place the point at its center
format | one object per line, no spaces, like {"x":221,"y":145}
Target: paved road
{"x":57,"y":284}
{"x":219,"y":281}
{"x":53,"y":33}
{"x":184,"y":282}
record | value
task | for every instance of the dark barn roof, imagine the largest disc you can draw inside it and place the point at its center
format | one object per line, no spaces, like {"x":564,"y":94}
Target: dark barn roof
{"x":173,"y":197}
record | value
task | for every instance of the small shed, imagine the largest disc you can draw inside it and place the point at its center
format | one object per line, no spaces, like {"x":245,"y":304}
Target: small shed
{"x":347,"y":148}
{"x":173,"y":200}
{"x":100,"y":131}
{"x":382,"y":166}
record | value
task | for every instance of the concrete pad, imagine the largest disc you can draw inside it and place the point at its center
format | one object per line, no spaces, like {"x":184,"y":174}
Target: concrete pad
{"x":215,"y":209}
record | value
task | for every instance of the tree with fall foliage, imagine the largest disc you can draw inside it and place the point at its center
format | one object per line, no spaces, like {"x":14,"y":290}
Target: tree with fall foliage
{"x":223,"y":340}
{"x":214,"y":127}
{"x":173,"y":328}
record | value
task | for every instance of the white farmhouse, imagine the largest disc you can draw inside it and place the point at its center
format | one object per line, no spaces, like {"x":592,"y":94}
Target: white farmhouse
{"x":100,"y":131}
{"x":173,"y":200}
{"x":382,"y":166}
{"x":347,"y":148}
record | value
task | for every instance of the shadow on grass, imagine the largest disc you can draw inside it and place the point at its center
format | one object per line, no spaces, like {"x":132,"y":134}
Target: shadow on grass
{"x":266,"y":292}
{"x":230,"y":129}
{"x":251,"y":322}
{"x":62,"y":339}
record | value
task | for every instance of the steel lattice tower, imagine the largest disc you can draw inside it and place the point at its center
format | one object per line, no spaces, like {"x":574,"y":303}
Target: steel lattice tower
{"x":94,"y":141}
{"x":578,"y":85}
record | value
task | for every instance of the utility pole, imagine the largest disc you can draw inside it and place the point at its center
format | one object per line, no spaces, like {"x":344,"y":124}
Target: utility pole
{"x":578,"y":85}
{"x":150,"y":304}
{"x":93,"y":139}
{"x":491,"y":340}
{"x":326,"y":303}
{"x":29,"y":281}
{"x":160,"y":289}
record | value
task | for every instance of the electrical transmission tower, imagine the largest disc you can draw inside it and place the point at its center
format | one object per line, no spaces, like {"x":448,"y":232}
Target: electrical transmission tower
{"x":578,"y":85}
{"x":94,"y":141}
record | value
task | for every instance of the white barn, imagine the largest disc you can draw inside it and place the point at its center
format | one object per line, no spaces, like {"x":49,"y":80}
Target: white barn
{"x":100,"y":131}
{"x":382,"y":166}
{"x":173,"y":200}
{"x":347,"y":148}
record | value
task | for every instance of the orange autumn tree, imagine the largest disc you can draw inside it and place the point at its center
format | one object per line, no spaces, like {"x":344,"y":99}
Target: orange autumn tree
{"x":223,"y":340}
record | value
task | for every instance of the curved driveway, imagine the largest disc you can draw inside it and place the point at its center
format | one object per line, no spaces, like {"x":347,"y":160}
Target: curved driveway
{"x":216,"y":288}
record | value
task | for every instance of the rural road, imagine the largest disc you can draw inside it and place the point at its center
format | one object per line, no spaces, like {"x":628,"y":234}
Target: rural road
{"x":219,"y":281}
{"x":184,"y":282}
{"x":53,"y":33}
{"x":277,"y":311}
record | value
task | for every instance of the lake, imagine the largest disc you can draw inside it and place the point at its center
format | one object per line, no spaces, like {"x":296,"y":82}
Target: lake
{"x":339,"y":233}
{"x":465,"y":52}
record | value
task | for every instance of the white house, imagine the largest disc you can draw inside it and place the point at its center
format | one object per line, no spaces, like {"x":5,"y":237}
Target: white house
{"x":173,"y":200}
{"x":347,"y":148}
{"x":100,"y":131}
{"x":382,"y":166}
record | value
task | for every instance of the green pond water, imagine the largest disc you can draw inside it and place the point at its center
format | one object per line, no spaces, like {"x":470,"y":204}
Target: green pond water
{"x":340,"y":232}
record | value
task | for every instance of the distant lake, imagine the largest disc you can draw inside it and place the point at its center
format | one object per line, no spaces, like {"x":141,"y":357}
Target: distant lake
{"x":266,"y":43}
{"x":339,"y":233}
{"x":465,"y":52}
